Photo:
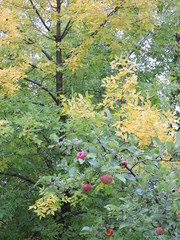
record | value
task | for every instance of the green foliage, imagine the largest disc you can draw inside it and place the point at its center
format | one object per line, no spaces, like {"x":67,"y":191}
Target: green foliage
{"x":42,"y":181}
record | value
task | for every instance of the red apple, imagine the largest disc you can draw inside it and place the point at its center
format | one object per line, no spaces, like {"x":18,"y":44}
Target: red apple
{"x":124,"y":164}
{"x":81,"y":155}
{"x":105,"y":179}
{"x":109,"y":232}
{"x":159,"y":231}
{"x":87,"y":187}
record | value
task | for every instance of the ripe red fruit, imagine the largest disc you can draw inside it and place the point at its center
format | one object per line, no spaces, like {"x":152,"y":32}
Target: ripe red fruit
{"x":81,"y":155}
{"x":124,"y":164}
{"x":105,"y":179}
{"x":109,"y":232}
{"x":87,"y":187}
{"x":178,"y":216}
{"x":159,"y":231}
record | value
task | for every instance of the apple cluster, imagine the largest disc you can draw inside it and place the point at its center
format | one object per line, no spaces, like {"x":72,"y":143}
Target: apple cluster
{"x":105,"y":179}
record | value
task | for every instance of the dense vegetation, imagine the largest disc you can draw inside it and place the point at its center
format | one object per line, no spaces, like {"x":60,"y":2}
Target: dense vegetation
{"x":89,"y":119}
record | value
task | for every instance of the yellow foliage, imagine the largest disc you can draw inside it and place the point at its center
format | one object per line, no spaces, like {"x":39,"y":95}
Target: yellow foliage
{"x":145,"y":122}
{"x":136,"y":115}
{"x":48,"y":204}
{"x":169,"y":164}
{"x":102,"y":19}
{"x":9,"y":78}
{"x":8,"y":26}
{"x":117,"y":88}
{"x":5,"y":127}
{"x":82,"y":108}
{"x":91,"y":20}
{"x":78,"y":197}
{"x":48,"y":68}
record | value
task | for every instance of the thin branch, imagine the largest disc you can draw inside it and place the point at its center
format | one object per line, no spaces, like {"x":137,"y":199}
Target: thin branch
{"x":39,"y":15}
{"x":166,"y":8}
{"x":35,"y":103}
{"x":105,"y":21}
{"x":47,"y":55}
{"x":130,"y":170}
{"x":20,"y":176}
{"x":35,"y":67}
{"x":100,"y":26}
{"x":139,"y":44}
{"x":34,"y":25}
{"x":32,"y":65}
{"x":153,"y":160}
{"x":66,"y":30}
{"x":52,"y":6}
{"x":44,"y":88}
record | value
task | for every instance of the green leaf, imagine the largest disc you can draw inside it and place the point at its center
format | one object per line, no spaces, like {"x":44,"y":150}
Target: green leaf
{"x":94,"y":163}
{"x":92,"y":149}
{"x":108,"y":114}
{"x":91,"y":155}
{"x":113,"y":144}
{"x":111,"y":207}
{"x":132,"y":149}
{"x":71,"y":171}
{"x":54,"y":137}
{"x":81,"y":161}
{"x":124,"y":224}
{"x":86,"y":228}
{"x":120,"y":177}
{"x":178,"y":139}
{"x":170,"y":146}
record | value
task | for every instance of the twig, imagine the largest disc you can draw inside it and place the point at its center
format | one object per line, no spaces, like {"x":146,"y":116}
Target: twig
{"x":39,"y":15}
{"x":44,"y":88}
{"x":130,"y":170}
{"x":66,"y":30}
{"x":20,"y":176}
{"x":47,"y":55}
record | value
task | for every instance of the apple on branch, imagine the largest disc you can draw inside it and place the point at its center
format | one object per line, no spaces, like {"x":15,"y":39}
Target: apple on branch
{"x":81,"y":155}
{"x":124,"y":164}
{"x":87,"y":187}
{"x":109,"y":232}
{"x":159,"y":231}
{"x":106,"y":179}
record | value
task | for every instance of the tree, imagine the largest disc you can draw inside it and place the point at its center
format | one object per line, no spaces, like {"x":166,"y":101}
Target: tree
{"x":50,"y":50}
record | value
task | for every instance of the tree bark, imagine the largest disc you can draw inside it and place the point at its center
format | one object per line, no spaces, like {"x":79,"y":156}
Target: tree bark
{"x":59,"y":75}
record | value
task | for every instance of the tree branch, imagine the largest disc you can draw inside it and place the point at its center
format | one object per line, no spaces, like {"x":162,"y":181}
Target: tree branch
{"x":105,"y":21}
{"x":39,"y":15}
{"x":44,"y":88}
{"x":100,"y":26}
{"x":34,"y":25}
{"x":153,"y":160}
{"x":47,"y":55}
{"x":66,"y":30}
{"x":130,"y":170}
{"x":20,"y":176}
{"x":35,"y":103}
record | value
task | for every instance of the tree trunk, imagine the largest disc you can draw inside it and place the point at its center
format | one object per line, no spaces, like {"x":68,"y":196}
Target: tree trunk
{"x":59,"y":75}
